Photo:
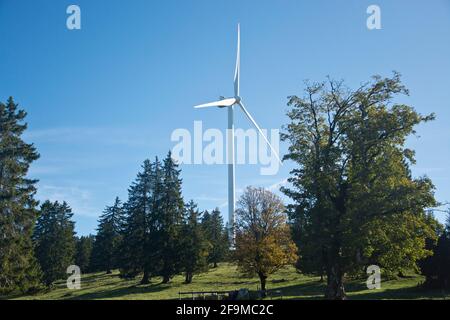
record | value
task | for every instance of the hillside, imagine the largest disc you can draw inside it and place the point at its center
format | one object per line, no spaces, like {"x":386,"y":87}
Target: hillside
{"x":291,"y":285}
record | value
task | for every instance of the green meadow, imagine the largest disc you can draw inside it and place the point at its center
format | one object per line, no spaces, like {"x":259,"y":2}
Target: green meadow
{"x":285,"y":284}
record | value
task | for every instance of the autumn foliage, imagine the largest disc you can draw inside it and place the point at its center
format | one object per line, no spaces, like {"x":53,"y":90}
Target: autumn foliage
{"x":263,"y":237}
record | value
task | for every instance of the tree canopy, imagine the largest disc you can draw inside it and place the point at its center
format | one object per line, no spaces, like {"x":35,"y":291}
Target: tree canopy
{"x":263,"y":237}
{"x":355,"y":200}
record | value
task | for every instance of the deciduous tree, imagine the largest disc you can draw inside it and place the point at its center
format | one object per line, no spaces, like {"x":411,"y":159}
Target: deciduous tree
{"x":263,"y":237}
{"x":355,"y":200}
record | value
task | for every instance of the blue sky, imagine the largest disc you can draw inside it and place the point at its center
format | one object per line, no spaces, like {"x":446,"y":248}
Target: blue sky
{"x":104,"y":98}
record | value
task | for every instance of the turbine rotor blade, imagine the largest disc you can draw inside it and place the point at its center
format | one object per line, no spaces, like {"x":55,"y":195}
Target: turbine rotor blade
{"x":259,"y":129}
{"x":220,"y":103}
{"x":238,"y":64}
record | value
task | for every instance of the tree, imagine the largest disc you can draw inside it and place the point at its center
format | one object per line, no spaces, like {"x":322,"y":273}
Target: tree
{"x":83,"y":254}
{"x":195,"y":247}
{"x":216,"y":235}
{"x":154,"y":220}
{"x":436,"y":268}
{"x":263,"y":237}
{"x":135,"y":249}
{"x":54,"y":239}
{"x":170,"y":220}
{"x":355,"y":202}
{"x":107,"y":241}
{"x":19,"y":270}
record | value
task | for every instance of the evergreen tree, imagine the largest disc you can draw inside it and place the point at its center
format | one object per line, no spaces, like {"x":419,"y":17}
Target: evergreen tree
{"x":170,"y":220}
{"x":106,"y":246}
{"x":19,"y":270}
{"x":54,"y":239}
{"x":195,"y":247}
{"x":216,"y":235}
{"x":140,"y":252}
{"x":154,"y":220}
{"x":84,"y":252}
{"x":153,"y":262}
{"x":133,"y":253}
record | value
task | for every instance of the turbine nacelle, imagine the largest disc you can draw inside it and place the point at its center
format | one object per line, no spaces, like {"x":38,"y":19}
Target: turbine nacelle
{"x":237,"y":101}
{"x":222,"y":103}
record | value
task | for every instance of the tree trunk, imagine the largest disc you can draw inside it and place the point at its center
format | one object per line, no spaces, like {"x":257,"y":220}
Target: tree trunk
{"x":145,"y":278}
{"x":335,"y":284}
{"x":262,"y":279}
{"x":215,"y":265}
{"x":166,"y":279}
{"x":188,"y":277}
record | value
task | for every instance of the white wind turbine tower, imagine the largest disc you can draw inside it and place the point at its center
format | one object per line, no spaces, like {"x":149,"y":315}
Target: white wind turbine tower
{"x":230,"y":103}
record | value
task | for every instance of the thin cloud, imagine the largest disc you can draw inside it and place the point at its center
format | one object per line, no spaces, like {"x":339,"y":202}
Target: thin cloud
{"x":78,"y":199}
{"x":82,"y":135}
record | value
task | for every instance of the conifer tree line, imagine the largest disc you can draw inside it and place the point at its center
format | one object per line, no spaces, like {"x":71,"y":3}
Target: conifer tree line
{"x":153,"y":234}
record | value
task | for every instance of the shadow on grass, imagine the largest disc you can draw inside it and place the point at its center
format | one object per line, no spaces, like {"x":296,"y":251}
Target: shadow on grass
{"x":311,"y":290}
{"x":122,"y":291}
{"x":314,"y":290}
{"x":400,"y":294}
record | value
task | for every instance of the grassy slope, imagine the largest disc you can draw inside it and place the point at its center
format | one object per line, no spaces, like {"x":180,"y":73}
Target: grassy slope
{"x":291,"y":284}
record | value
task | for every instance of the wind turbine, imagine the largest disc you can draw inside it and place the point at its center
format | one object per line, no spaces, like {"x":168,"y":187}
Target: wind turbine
{"x":230,"y":103}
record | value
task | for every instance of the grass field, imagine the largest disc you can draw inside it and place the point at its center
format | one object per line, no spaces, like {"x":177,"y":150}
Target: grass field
{"x":291,"y":284}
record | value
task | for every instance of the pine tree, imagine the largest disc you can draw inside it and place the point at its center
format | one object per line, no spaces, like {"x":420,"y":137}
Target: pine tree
{"x":139,"y":249}
{"x":216,"y":235}
{"x":19,"y":270}
{"x":153,"y":263}
{"x":170,"y":220}
{"x":135,"y":229}
{"x":54,"y":238}
{"x":154,"y":219}
{"x":195,"y":247}
{"x":106,"y":246}
{"x":84,"y":246}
